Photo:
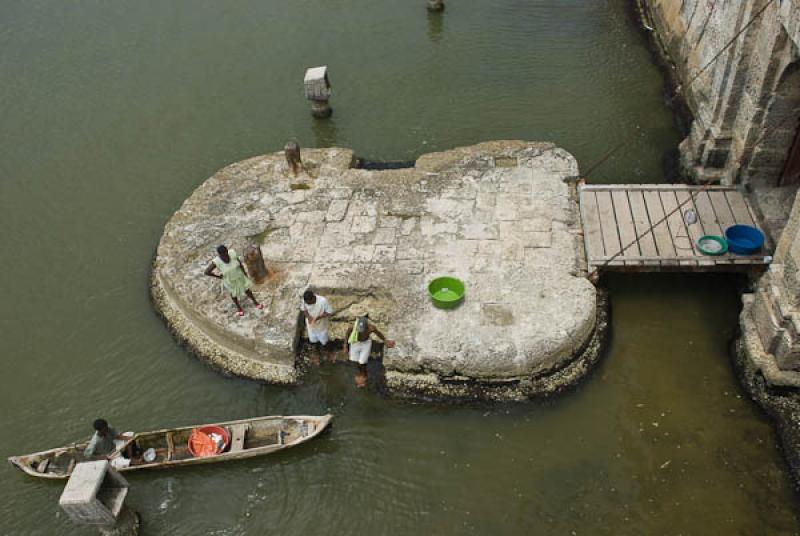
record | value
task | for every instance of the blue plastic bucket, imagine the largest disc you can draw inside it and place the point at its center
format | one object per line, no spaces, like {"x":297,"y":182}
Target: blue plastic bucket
{"x":744,"y":239}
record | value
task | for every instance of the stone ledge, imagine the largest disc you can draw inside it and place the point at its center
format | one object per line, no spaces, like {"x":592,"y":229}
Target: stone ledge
{"x":773,"y":390}
{"x":430,"y":386}
{"x":762,"y":361}
{"x":502,"y":216}
{"x":214,"y":352}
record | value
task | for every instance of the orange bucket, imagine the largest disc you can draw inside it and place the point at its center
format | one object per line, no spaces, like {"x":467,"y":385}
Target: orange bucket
{"x":201,"y":445}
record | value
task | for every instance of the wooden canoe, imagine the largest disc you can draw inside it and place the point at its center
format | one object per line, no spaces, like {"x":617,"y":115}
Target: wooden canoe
{"x":248,"y":438}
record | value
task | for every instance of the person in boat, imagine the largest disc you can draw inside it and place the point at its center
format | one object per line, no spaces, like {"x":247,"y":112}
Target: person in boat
{"x":359,"y":345}
{"x":106,"y":442}
{"x":317,"y":310}
{"x":233,"y":276}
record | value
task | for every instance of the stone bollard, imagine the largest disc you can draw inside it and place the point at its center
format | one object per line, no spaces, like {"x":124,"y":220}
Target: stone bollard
{"x":435,"y":5}
{"x":95,"y":495}
{"x":318,"y":91}
{"x":254,"y":261}
{"x":292,"y":152}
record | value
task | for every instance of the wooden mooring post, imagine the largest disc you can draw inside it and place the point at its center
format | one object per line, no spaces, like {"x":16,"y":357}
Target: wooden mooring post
{"x":254,"y":261}
{"x":292,"y":152}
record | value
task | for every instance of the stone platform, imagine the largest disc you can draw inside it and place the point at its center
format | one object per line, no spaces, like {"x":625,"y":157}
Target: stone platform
{"x":501,"y":216}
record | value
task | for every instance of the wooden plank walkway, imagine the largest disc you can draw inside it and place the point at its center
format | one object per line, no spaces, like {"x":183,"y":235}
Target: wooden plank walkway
{"x":648,"y":221}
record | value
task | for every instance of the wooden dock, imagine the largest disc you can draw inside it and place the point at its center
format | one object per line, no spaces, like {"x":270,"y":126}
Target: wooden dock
{"x":642,"y":219}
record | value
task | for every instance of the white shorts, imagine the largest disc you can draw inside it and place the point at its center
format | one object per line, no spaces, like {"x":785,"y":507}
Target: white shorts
{"x":318,"y":336}
{"x":359,"y":351}
{"x":120,"y":461}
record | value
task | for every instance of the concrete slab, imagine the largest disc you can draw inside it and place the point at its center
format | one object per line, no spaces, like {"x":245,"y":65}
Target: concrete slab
{"x":371,"y":241}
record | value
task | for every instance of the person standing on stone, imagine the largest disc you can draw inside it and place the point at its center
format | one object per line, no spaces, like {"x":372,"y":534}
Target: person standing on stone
{"x":233,"y":276}
{"x":359,"y":345}
{"x":317,"y":311}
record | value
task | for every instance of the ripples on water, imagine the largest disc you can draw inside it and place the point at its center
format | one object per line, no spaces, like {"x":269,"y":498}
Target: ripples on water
{"x":113,"y":113}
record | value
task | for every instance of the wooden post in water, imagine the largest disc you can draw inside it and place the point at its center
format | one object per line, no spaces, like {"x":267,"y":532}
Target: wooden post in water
{"x":254,"y":261}
{"x":95,"y":495}
{"x":292,"y":152}
{"x":318,"y":91}
{"x":435,"y":5}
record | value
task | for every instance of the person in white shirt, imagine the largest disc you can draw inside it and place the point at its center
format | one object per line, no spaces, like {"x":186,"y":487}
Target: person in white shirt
{"x":317,"y":311}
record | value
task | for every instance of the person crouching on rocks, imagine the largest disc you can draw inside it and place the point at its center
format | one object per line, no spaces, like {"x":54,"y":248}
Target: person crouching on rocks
{"x":234,"y":278}
{"x":317,"y":311}
{"x":359,"y":345}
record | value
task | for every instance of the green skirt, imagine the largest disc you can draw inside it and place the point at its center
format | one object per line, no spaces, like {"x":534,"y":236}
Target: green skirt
{"x":237,"y":283}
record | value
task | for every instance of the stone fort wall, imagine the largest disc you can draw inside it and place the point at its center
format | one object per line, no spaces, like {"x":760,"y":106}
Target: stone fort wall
{"x":752,"y":88}
{"x":745,"y":110}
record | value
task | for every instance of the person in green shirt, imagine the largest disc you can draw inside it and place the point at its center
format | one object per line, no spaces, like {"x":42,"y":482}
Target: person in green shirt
{"x":233,"y":276}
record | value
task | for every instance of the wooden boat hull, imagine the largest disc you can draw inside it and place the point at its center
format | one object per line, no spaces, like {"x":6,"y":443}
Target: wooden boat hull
{"x":258,"y":436}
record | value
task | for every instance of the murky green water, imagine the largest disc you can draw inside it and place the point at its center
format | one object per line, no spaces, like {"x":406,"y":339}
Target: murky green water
{"x":113,"y":112}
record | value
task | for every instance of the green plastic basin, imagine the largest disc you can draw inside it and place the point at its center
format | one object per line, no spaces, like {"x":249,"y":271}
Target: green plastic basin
{"x":446,"y":292}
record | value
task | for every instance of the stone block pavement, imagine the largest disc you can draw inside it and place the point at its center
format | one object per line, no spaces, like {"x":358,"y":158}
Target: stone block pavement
{"x":501,"y":216}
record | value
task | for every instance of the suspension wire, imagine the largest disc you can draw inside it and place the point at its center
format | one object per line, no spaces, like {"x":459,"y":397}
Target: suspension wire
{"x":679,"y":88}
{"x":730,"y":42}
{"x":767,"y":133}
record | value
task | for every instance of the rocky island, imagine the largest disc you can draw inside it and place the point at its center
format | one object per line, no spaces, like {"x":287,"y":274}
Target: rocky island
{"x":500,"y":216}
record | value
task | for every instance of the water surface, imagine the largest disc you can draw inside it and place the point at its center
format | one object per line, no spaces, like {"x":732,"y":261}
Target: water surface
{"x":113,"y":112}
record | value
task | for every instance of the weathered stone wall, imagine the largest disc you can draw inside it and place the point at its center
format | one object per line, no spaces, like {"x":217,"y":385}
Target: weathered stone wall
{"x":771,"y":316}
{"x":746,"y":113}
{"x":746,"y":105}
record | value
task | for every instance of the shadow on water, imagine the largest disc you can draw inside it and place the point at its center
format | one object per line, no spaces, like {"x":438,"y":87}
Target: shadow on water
{"x":325,"y":131}
{"x":435,"y":25}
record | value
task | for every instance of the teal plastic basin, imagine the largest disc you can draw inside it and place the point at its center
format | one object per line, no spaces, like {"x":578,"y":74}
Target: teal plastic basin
{"x":712,"y":245}
{"x":446,"y":292}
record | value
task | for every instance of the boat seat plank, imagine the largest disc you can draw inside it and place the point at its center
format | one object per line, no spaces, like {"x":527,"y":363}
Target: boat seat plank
{"x":655,"y":210}
{"x":591,"y":225}
{"x":41,"y":467}
{"x":625,"y":224}
{"x":608,"y":224}
{"x":170,"y":446}
{"x":724,"y":214}
{"x":696,"y":231}
{"x":238,"y":433}
{"x":681,"y":239}
{"x":741,"y":214}
{"x":641,"y":222}
{"x":705,"y":211}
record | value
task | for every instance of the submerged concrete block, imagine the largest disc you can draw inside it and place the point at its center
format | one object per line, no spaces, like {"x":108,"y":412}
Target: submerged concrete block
{"x":94,"y":495}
